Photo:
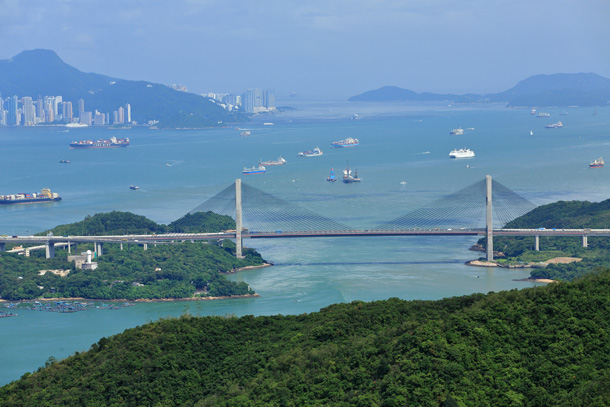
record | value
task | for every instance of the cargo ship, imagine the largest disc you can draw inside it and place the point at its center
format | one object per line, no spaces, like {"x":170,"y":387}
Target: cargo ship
{"x":316,"y":152}
{"x":554,"y":125}
{"x":280,"y":161}
{"x":110,"y":143}
{"x":260,"y":169}
{"x":45,"y":195}
{"x":597,"y":163}
{"x":348,"y":142}
{"x":457,"y":132}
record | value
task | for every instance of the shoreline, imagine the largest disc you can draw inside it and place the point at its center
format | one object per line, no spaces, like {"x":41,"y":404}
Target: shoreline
{"x":233,"y":271}
{"x":224,"y":297}
{"x":536,"y":280}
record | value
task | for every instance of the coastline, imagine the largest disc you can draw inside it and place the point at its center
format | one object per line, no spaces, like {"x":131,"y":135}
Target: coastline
{"x":247,"y":268}
{"x":537,"y":280}
{"x":224,"y":297}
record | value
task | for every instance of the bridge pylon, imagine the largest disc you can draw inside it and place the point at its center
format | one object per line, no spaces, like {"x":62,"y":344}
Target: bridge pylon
{"x":489,"y":220}
{"x":238,"y":220}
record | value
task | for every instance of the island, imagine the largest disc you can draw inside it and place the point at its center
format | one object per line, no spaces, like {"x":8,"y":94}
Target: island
{"x":182,"y":270}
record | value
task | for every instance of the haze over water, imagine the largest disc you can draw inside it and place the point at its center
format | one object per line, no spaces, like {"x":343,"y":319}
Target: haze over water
{"x":550,"y":165}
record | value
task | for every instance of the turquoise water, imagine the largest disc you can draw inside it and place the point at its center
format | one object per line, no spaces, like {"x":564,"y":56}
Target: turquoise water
{"x":309,"y":273}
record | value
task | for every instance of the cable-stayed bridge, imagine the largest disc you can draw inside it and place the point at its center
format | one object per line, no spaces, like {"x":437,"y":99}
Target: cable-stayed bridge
{"x":482,"y":208}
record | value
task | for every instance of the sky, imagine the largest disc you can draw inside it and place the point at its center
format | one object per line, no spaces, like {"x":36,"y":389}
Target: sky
{"x":330,"y":48}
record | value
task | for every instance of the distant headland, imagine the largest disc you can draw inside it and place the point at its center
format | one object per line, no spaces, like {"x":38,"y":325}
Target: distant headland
{"x":561,"y":89}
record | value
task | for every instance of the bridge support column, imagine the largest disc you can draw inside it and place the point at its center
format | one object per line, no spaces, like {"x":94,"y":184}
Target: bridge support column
{"x":145,"y":246}
{"x":2,"y":247}
{"x":537,"y":243}
{"x":238,"y":222}
{"x":489,"y":220}
{"x":99,"y":248}
{"x":50,"y":246}
{"x":69,"y":248}
{"x":121,"y":246}
{"x":585,"y":241}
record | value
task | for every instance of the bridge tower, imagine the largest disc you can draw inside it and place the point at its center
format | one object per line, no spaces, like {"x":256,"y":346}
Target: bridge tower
{"x":489,"y":220}
{"x":238,"y":220}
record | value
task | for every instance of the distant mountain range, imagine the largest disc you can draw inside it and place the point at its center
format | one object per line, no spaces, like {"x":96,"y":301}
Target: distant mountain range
{"x":579,"y":89}
{"x":42,"y":72}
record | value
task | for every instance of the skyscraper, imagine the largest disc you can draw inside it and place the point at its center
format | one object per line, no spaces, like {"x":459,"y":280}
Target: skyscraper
{"x":11,"y":107}
{"x":81,"y":108}
{"x":67,"y":111}
{"x":29,"y":111}
{"x":128,"y":112}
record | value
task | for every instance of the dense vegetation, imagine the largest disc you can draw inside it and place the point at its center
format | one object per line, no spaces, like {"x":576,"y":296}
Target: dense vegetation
{"x":544,"y":346}
{"x":163,"y":271}
{"x":124,"y":223}
{"x":560,"y":215}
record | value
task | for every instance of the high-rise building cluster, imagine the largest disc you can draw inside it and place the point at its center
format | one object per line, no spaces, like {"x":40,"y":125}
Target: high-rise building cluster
{"x":25,"y":111}
{"x":251,"y":101}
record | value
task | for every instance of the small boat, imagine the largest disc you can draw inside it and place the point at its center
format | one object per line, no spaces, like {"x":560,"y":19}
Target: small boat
{"x":245,"y":133}
{"x":316,"y":152}
{"x":426,"y":152}
{"x":280,"y":161}
{"x":348,"y":142}
{"x":64,"y":161}
{"x":134,"y":187}
{"x":533,"y":111}
{"x":543,"y":114}
{"x":267,"y":124}
{"x":554,"y":125}
{"x":403,"y":182}
{"x":531,"y":133}
{"x":331,"y":177}
{"x":597,"y":163}
{"x":456,"y":132}
{"x":461,"y":153}
{"x":259,"y":169}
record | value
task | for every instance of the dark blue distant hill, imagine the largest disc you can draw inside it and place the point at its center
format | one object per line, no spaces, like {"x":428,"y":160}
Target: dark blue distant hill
{"x":580,"y":89}
{"x":41,"y":72}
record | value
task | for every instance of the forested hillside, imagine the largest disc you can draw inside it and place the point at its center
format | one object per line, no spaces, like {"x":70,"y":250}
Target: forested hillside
{"x":544,"y":346}
{"x":560,"y":215}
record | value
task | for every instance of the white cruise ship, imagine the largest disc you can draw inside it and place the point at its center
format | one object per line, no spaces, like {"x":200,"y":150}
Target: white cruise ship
{"x":461,"y":153}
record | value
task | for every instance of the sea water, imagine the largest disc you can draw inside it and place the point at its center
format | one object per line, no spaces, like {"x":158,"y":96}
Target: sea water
{"x":403,"y":163}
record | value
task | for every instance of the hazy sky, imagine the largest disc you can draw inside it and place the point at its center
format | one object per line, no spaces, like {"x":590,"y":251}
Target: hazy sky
{"x":340,"y":47}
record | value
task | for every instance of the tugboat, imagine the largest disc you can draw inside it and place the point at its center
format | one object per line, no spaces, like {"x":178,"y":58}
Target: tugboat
{"x":134,"y":187}
{"x":597,"y":163}
{"x":331,"y":177}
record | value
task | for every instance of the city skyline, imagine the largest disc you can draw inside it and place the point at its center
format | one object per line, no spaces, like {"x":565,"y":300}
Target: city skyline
{"x":335,"y":49}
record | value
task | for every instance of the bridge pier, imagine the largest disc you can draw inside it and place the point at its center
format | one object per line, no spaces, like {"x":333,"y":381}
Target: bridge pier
{"x":585,"y":241}
{"x":99,"y":248}
{"x":238,"y":220}
{"x":489,"y":220}
{"x":2,"y":246}
{"x":145,"y":246}
{"x":50,"y":249}
{"x":537,"y":243}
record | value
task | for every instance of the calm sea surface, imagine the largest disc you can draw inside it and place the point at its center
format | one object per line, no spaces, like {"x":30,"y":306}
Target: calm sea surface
{"x":179,"y":169}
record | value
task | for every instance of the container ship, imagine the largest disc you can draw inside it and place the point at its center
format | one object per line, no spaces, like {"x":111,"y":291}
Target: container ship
{"x":45,"y":195}
{"x":111,"y":143}
{"x":348,"y":142}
